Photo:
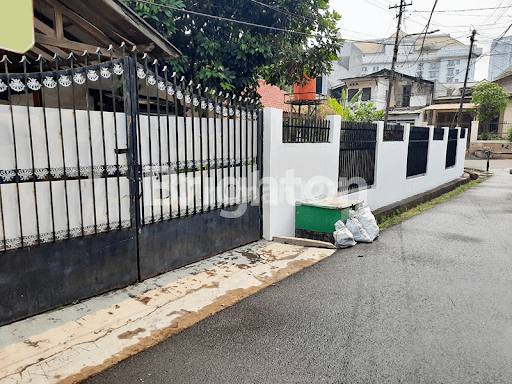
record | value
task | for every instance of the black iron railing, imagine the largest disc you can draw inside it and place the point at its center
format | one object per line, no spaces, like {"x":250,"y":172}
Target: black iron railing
{"x":298,"y":130}
{"x":438,"y":133}
{"x":417,"y":154}
{"x":393,"y":132}
{"x":451,"y":148}
{"x":104,"y":145}
{"x":358,"y":143}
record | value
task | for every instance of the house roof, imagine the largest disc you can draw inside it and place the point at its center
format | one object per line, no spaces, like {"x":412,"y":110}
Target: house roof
{"x":63,"y":26}
{"x":271,"y":96}
{"x":450,"y":106}
{"x":506,"y":73}
{"x":432,"y":42}
{"x":385,"y":73}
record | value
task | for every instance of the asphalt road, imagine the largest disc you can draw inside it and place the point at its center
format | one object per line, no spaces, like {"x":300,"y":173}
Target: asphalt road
{"x":429,"y":302}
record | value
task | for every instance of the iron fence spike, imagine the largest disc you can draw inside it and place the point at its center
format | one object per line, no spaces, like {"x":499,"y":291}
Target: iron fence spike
{"x":110,"y":48}
{"x":145,"y":56}
{"x":123,"y":45}
{"x":40,"y":58}
{"x":155,"y":62}
{"x":174,"y":74}
{"x":24,"y":60}
{"x":98,"y":51}
{"x":165,"y":69}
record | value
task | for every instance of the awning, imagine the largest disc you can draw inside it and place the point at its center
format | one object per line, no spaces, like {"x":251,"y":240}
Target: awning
{"x":446,"y":107}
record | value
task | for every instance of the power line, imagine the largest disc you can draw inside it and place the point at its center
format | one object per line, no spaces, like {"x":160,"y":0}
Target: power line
{"x":467,"y":10}
{"x":223,"y":18}
{"x":283,"y":11}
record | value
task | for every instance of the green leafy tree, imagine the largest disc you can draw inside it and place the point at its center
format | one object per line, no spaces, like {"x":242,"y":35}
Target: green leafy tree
{"x":230,"y":56}
{"x":490,"y":100}
{"x":351,"y":110}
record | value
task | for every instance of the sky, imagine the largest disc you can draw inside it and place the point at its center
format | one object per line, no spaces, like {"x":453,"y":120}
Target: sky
{"x":372,"y":19}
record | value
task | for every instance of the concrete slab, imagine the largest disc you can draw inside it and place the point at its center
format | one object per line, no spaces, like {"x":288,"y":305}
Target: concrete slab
{"x":303,"y":242}
{"x":71,"y":344}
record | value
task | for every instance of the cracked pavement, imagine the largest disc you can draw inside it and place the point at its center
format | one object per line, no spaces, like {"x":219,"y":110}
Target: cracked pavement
{"x":74,"y":343}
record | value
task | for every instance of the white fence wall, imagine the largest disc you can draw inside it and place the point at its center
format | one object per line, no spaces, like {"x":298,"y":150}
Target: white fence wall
{"x":294,"y":171}
{"x":290,"y":172}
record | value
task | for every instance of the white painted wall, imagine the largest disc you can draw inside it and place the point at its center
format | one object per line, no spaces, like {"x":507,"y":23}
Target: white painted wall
{"x":290,"y":171}
{"x":307,"y":162}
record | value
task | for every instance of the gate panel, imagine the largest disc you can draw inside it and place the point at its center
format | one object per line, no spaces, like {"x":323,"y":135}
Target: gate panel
{"x":171,"y":244}
{"x":198,"y":161}
{"x":66,"y":227}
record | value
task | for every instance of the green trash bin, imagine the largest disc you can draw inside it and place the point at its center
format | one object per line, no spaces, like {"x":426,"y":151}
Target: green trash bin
{"x":315,"y":219}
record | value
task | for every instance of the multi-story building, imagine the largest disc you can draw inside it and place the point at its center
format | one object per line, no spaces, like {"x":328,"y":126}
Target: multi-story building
{"x":500,"y":57}
{"x":440,"y":57}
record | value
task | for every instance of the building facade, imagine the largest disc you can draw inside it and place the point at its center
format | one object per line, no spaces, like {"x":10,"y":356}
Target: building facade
{"x":500,"y":57}
{"x":438,"y":57}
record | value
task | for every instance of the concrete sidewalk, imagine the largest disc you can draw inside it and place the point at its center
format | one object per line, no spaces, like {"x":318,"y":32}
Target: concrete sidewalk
{"x":74,"y":343}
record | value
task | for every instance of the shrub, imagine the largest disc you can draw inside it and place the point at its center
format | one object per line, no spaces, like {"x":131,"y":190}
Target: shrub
{"x":509,"y":134}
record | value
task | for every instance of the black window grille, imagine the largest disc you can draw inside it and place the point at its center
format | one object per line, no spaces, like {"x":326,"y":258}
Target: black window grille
{"x":394,"y":132}
{"x":417,"y":154}
{"x":451,"y":148}
{"x":357,"y":155}
{"x":305,"y":130}
{"x":462,"y":133}
{"x":367,"y":94}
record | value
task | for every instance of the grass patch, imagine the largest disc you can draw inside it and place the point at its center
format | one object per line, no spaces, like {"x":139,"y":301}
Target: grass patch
{"x":65,"y":306}
{"x":406,"y":212}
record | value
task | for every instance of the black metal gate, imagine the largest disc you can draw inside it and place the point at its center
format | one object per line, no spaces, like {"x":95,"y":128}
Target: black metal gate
{"x":115,"y":170}
{"x":357,"y":155}
{"x":198,"y":171}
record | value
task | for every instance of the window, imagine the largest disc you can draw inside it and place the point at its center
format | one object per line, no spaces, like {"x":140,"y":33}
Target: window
{"x":420,"y":66}
{"x":449,"y":80}
{"x":433,"y":75}
{"x":456,"y":80}
{"x":458,"y":61}
{"x":367,"y":94}
{"x":375,"y":69}
{"x":352,"y":93}
{"x":449,"y":72}
{"x":406,"y":95}
{"x":451,"y":63}
{"x":365,"y":69}
{"x":433,"y":65}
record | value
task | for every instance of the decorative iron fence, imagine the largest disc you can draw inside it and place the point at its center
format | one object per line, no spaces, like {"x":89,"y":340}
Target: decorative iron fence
{"x":417,"y":154}
{"x":494,"y":131}
{"x":451,"y":148}
{"x":393,"y":132}
{"x":92,"y":146}
{"x":298,"y":130}
{"x":358,"y":142}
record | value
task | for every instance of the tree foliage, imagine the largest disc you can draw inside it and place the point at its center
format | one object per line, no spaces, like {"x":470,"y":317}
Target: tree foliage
{"x":490,"y":100}
{"x":230,"y":56}
{"x":352,"y":110}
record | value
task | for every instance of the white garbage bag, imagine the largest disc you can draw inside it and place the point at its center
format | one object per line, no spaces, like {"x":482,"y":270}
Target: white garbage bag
{"x":354,"y":226}
{"x":367,"y":220}
{"x":342,"y":236}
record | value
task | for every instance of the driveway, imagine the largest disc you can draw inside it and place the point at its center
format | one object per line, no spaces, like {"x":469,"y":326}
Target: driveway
{"x":429,"y":302}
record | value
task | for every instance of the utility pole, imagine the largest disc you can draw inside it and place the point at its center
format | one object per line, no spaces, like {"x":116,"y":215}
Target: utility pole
{"x":395,"y":54}
{"x":459,"y":114}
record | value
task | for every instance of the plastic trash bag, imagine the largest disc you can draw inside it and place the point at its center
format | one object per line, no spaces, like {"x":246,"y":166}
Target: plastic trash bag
{"x":354,"y":226}
{"x":367,"y":220}
{"x":342,"y":236}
